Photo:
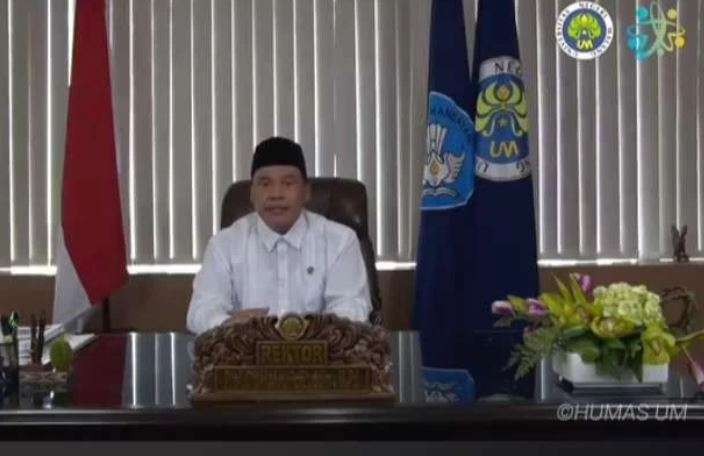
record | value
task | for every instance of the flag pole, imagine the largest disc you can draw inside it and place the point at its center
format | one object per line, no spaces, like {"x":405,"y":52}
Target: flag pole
{"x":106,"y":316}
{"x":91,"y":177}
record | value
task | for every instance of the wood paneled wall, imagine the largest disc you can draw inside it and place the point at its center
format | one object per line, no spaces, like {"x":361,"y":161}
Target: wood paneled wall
{"x":159,"y":302}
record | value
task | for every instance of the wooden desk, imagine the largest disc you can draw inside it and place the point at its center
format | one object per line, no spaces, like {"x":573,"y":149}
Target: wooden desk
{"x":135,"y":387}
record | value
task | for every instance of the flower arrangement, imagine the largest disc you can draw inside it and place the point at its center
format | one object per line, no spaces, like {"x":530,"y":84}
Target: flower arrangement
{"x":619,"y":328}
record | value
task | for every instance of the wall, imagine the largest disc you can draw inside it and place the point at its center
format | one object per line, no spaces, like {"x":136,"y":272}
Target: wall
{"x":159,"y":302}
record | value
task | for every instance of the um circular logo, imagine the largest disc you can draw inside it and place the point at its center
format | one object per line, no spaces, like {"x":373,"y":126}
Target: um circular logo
{"x":584,"y":30}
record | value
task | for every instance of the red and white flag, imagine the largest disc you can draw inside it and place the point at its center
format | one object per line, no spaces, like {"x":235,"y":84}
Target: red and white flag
{"x":93,"y":264}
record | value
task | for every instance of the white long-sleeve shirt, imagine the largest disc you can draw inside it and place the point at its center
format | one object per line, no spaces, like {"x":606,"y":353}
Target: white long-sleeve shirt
{"x":316,"y":267}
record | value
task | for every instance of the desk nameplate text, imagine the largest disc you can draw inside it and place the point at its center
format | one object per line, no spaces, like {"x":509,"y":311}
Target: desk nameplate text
{"x":315,"y":357}
{"x":302,"y":379}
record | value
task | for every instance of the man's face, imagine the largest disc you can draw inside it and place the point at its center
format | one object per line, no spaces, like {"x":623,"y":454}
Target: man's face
{"x":279,"y":194}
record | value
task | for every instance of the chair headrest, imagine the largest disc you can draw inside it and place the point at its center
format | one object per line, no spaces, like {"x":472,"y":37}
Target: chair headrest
{"x":341,"y":200}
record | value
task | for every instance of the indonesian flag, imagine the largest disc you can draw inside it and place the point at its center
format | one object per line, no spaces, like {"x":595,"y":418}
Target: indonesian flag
{"x":92,"y":265}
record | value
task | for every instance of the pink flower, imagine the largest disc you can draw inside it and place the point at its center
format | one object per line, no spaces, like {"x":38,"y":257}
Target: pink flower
{"x":503,"y":308}
{"x":536,"y":308}
{"x":528,"y":331}
{"x":585,"y":283}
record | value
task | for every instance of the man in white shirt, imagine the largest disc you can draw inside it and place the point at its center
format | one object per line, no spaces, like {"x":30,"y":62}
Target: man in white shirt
{"x":281,"y":258}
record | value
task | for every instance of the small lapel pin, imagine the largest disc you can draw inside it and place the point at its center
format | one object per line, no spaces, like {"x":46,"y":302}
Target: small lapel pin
{"x":310,"y":270}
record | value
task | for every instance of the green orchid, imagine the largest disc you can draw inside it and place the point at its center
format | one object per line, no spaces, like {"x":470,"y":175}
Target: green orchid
{"x":612,"y":328}
{"x":619,"y":327}
{"x":658,"y":345}
{"x":570,"y":307}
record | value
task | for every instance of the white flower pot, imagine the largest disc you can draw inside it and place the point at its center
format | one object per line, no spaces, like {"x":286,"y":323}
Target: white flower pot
{"x":570,"y":367}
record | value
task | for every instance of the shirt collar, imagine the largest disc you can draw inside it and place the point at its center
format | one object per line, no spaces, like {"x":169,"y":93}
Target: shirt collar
{"x":293,"y":237}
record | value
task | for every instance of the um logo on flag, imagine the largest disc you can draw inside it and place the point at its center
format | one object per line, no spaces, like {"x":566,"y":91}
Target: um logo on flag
{"x":502,"y":121}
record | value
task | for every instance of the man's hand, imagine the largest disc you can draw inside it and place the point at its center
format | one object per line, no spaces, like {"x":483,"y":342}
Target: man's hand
{"x":244,"y":315}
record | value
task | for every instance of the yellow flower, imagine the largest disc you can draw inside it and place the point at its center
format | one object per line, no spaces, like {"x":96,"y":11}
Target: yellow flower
{"x":612,"y":328}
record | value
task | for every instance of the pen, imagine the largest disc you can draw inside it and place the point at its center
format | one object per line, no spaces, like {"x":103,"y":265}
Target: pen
{"x":33,"y":339}
{"x":42,"y":327}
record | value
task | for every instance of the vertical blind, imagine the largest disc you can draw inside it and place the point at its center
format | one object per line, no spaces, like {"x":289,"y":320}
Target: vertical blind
{"x":197,"y":84}
{"x":200,"y":82}
{"x":617,"y":146}
{"x":33,"y":98}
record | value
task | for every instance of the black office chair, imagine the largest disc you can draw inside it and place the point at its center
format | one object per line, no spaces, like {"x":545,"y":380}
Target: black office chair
{"x":341,"y":200}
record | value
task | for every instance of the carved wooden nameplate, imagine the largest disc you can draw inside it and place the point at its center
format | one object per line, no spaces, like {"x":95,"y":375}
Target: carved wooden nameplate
{"x":312,"y":357}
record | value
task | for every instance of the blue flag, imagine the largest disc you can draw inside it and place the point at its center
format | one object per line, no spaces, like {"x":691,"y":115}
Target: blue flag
{"x":445,"y":244}
{"x":477,"y":238}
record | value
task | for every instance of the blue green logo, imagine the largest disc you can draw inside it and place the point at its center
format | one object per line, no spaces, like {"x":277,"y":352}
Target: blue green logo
{"x":655,"y":32}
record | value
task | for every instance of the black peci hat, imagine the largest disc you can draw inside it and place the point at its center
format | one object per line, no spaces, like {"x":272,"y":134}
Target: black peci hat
{"x":278,"y":151}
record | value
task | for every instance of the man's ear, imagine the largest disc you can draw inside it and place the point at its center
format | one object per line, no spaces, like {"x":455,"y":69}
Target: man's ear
{"x":251,"y":193}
